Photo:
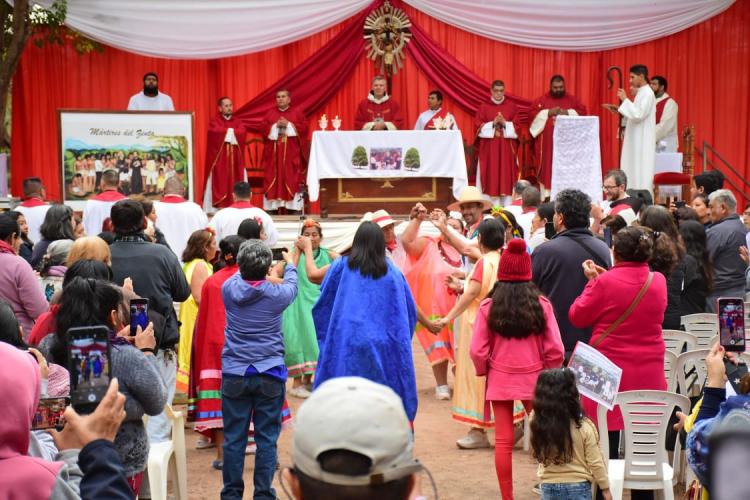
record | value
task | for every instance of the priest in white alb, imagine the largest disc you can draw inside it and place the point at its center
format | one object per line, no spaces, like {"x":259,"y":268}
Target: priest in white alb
{"x":178,"y":217}
{"x":436,"y":117}
{"x":638,"y":153}
{"x":666,"y":117}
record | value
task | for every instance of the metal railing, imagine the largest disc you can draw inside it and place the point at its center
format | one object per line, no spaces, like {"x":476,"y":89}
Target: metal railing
{"x":709,"y":164}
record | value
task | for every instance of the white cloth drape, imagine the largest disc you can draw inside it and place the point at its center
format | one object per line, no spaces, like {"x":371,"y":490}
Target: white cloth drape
{"x":576,"y":25}
{"x":199,"y":29}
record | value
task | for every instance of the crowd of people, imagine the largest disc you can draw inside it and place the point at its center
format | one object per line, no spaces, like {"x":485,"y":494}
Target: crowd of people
{"x":496,"y":296}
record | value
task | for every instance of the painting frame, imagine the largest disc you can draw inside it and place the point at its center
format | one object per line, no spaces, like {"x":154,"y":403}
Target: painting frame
{"x":159,"y":144}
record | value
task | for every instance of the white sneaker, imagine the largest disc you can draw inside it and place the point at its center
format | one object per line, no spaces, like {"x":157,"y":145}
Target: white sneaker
{"x":473,"y":440}
{"x":299,"y":392}
{"x":204,"y":443}
{"x":442,"y":392}
{"x":251,"y":449}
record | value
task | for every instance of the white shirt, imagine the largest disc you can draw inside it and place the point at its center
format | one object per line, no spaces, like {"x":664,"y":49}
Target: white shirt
{"x":536,"y":239}
{"x":426,"y":117}
{"x":34,"y":218}
{"x":94,"y":213}
{"x":178,"y":221}
{"x":638,"y":152}
{"x":524,"y":220}
{"x":142,"y":102}
{"x":227,"y":220}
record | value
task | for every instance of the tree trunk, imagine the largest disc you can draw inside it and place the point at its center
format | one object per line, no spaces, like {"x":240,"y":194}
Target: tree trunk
{"x":11,"y":54}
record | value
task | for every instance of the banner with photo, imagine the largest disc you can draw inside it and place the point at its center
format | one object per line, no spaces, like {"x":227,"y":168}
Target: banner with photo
{"x":597,"y":377}
{"x":144,"y":148}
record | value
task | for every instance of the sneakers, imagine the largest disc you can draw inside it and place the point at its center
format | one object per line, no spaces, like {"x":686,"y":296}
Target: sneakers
{"x":475,"y":439}
{"x":204,"y":443}
{"x":299,"y":392}
{"x":217,"y":464}
{"x":442,"y":392}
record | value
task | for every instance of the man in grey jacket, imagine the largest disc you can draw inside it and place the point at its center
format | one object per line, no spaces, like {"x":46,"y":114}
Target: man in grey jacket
{"x":723,"y":241}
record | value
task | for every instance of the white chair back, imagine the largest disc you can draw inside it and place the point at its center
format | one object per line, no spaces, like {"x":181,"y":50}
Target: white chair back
{"x":699,"y":318}
{"x":670,"y":360}
{"x":677,"y":341}
{"x":703,"y":333}
{"x":646,"y":416}
{"x":693,"y":362}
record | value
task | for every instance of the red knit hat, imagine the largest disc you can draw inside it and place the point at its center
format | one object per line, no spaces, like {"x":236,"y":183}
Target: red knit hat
{"x":515,"y":264}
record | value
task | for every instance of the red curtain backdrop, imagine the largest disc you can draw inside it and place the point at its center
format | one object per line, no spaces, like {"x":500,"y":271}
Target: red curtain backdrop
{"x":706,"y":66}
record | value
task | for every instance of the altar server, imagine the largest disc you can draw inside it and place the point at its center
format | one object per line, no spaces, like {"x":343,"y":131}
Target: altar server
{"x":436,"y":116}
{"x":666,"y":117}
{"x":178,"y":217}
{"x":33,"y":206}
{"x":98,"y":207}
{"x":228,"y":220}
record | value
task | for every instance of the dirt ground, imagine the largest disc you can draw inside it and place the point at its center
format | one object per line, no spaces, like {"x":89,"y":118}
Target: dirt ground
{"x":458,"y":474}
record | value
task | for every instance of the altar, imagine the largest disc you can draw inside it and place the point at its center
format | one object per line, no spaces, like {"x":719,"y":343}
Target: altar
{"x":358,"y":171}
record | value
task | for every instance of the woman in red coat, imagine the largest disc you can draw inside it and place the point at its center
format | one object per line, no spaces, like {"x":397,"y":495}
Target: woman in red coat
{"x":636,"y":345}
{"x":515,"y":338}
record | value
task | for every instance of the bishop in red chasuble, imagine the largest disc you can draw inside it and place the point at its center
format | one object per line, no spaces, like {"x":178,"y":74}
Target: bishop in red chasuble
{"x":378,"y":111}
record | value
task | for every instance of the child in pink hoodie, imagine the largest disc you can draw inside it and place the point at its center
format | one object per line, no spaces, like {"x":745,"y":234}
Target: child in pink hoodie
{"x":515,"y":338}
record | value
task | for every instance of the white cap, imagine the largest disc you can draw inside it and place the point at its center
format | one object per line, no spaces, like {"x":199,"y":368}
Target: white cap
{"x":357,"y":415}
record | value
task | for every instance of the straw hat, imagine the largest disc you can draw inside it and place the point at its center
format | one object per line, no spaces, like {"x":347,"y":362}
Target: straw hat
{"x":379,"y":217}
{"x":471,"y":194}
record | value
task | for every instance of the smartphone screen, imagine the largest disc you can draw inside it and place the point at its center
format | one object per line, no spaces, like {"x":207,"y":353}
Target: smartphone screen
{"x":89,"y":366}
{"x":731,"y":323}
{"x":276,"y":253}
{"x":49,"y":414}
{"x":608,"y":236}
{"x":138,"y":315}
{"x":549,"y":230}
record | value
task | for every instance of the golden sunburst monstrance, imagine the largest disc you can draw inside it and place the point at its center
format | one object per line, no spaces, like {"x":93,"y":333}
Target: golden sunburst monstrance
{"x":387,"y":28}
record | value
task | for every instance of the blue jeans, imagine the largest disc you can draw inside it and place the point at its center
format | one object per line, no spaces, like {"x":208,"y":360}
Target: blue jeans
{"x":566,"y":491}
{"x":261,"y":398}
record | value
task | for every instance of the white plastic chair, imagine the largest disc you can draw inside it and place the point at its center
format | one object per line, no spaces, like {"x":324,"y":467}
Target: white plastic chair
{"x":703,"y":333}
{"x":685,"y":363}
{"x":677,"y":341}
{"x":645,"y":466}
{"x":670,"y":360}
{"x":169,"y":458}
{"x":689,"y":319}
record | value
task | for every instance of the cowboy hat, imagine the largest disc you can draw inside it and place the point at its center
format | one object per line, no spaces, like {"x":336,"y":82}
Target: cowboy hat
{"x":379,"y":217}
{"x":470,"y":194}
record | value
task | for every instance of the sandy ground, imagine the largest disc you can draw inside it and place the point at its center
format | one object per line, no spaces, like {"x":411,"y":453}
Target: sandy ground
{"x":459,"y":474}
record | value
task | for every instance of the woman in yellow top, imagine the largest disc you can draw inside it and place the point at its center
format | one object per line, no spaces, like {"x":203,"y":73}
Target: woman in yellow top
{"x":199,"y":252}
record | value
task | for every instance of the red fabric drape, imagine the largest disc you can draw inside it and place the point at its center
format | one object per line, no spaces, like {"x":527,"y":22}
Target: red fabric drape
{"x":705,"y":65}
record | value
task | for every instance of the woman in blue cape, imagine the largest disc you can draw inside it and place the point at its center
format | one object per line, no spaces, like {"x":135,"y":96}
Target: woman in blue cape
{"x":365,"y":317}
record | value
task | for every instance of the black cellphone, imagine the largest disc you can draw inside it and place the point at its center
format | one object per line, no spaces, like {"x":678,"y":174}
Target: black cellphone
{"x":731,"y":313}
{"x":549,"y":230}
{"x":89,"y":366}
{"x":138,"y":315}
{"x":608,"y":236}
{"x":49,"y":414}
{"x":276,"y":253}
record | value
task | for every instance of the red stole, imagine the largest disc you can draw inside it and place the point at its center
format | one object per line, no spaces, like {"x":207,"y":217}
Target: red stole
{"x":32,"y":202}
{"x":224,"y":160}
{"x":660,"y":108}
{"x":172,"y":198}
{"x":442,"y":114}
{"x":109,"y":195}
{"x":241,"y":204}
{"x":368,"y":111}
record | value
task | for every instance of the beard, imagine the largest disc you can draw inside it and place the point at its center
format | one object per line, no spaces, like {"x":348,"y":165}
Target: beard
{"x":151,"y":91}
{"x":557,"y":93}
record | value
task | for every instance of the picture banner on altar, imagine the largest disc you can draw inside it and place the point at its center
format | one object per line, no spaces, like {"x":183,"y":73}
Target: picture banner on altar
{"x":144,"y":148}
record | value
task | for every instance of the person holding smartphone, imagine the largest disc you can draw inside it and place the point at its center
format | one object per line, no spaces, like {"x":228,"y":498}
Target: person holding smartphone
{"x":132,"y":362}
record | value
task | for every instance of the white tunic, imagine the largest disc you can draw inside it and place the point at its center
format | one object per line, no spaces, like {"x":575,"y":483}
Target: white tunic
{"x":425,"y":118}
{"x":94,"y":213}
{"x":142,"y":102}
{"x":227,"y":220}
{"x":638,"y":153}
{"x":34,"y":218}
{"x":178,"y":221}
{"x":666,"y":130}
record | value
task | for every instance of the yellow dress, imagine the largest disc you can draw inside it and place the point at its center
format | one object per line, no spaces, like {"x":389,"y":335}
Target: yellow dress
{"x":468,"y":393}
{"x":188,"y":316}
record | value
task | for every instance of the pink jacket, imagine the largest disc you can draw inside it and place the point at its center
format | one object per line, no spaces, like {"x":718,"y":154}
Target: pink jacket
{"x":20,"y":288}
{"x":512,"y":365}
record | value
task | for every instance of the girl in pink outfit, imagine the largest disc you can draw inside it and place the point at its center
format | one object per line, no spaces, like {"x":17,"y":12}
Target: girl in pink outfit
{"x":515,"y":338}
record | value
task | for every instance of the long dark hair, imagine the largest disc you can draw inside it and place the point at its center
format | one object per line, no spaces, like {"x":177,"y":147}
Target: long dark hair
{"x":87,"y":268}
{"x":516,"y":311}
{"x":24,"y":236}
{"x":9,"y":328}
{"x":84,"y":302}
{"x":694,"y":235}
{"x":368,"y":251}
{"x":641,"y":244}
{"x":660,"y":220}
{"x":556,"y":404}
{"x":229,"y":248}
{"x":196,"y":245}
{"x":57,"y":223}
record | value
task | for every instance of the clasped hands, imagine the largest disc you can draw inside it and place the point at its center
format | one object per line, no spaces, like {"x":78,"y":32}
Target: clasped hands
{"x":499,"y":120}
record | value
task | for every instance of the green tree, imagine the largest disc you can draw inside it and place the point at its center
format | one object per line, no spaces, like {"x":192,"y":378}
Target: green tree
{"x":411,"y":159}
{"x":359,"y":157}
{"x":21,"y":21}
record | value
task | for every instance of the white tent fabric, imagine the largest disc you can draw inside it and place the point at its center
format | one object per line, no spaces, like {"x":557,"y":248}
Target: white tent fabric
{"x":200,"y":29}
{"x":574,"y":25}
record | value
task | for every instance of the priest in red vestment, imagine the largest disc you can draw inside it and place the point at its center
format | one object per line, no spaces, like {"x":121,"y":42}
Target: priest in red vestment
{"x":224,"y":169}
{"x":544,"y":112}
{"x":378,"y":111}
{"x":498,"y":168}
{"x":284,"y":154}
